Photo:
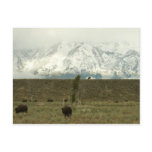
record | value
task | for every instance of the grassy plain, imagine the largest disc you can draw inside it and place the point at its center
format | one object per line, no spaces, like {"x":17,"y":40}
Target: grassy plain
{"x":86,"y":113}
{"x":103,"y":101}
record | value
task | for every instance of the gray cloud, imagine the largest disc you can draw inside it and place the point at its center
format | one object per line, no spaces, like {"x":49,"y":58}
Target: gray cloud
{"x":41,"y":37}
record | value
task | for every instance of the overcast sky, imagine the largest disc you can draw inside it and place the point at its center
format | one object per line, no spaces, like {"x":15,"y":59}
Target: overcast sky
{"x":41,"y":37}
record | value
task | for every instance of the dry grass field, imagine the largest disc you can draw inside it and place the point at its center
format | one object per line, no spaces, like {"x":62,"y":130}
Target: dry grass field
{"x":103,"y":102}
{"x":86,"y":113}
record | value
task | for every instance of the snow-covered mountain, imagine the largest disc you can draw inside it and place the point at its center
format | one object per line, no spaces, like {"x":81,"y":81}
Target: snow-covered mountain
{"x":67,"y":59}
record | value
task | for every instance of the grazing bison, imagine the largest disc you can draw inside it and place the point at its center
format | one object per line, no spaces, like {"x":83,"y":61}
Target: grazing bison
{"x":34,"y":100}
{"x":24,"y":100}
{"x":50,"y":100}
{"x":67,"y":111}
{"x":21,"y":108}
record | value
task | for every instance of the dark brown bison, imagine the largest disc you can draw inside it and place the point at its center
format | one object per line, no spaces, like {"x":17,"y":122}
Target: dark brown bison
{"x":50,"y":100}
{"x":67,"y":111}
{"x":21,"y":108}
{"x":24,"y":100}
{"x":34,"y":100}
{"x":65,"y":100}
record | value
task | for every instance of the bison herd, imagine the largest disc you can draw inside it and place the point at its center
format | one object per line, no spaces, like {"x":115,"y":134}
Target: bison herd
{"x":66,"y":110}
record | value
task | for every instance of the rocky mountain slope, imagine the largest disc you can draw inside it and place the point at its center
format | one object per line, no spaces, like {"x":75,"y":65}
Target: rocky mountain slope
{"x":66,"y":59}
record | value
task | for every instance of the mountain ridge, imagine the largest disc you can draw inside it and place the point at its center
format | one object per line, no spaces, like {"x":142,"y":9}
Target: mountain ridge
{"x":65,"y":60}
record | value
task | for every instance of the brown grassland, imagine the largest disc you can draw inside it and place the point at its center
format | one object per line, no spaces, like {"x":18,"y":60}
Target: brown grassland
{"x":103,"y":101}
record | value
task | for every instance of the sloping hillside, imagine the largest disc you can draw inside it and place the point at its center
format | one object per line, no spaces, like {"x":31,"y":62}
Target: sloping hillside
{"x":91,"y":90}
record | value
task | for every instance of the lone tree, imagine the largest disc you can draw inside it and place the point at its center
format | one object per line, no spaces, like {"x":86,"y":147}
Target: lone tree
{"x":75,"y":87}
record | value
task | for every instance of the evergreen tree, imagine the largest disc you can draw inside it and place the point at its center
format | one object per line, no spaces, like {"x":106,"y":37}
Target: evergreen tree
{"x":75,"y":87}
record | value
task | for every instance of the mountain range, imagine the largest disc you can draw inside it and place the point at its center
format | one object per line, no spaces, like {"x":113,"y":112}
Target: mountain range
{"x":104,"y":60}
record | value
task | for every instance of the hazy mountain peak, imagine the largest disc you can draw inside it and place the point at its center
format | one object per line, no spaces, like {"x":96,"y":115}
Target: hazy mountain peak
{"x":66,"y":59}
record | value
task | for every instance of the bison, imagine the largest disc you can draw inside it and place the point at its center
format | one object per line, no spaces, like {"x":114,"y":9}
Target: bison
{"x":50,"y":100}
{"x":67,"y":111}
{"x":65,"y":100}
{"x":24,"y":100}
{"x":21,"y":108}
